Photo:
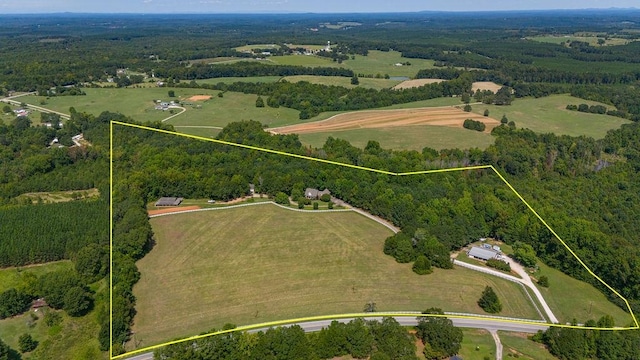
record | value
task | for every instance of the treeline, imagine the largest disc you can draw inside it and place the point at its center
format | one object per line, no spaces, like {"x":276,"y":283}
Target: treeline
{"x":570,"y":344}
{"x":360,"y":339}
{"x":312,"y":99}
{"x":245,"y":69}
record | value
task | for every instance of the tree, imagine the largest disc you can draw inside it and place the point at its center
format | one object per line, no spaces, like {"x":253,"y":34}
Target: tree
{"x":13,"y":302}
{"x":466,"y":98}
{"x":524,"y":254}
{"x":355,"y":81}
{"x":443,"y":339}
{"x":503,"y":96}
{"x":486,"y":112}
{"x":77,"y":301}
{"x":489,"y":301}
{"x":171,"y":93}
{"x":92,"y":262}
{"x":282,"y":198}
{"x":543,"y":281}
{"x":504,"y":119}
{"x":259,"y":102}
{"x":422,"y":266}
{"x":315,"y":205}
{"x":467,"y":108}
{"x":369,"y":307}
{"x":26,"y":343}
{"x":6,"y":109}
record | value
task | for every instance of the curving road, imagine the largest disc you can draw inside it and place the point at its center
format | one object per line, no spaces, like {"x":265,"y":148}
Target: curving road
{"x":491,"y":325}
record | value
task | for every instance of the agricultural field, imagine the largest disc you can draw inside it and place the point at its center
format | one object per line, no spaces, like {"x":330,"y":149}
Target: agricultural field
{"x":138,"y":103}
{"x":592,"y":39}
{"x":406,"y":129}
{"x":378,"y":119}
{"x":518,"y":345}
{"x":240,"y":265}
{"x":549,"y":115}
{"x":376,"y":62}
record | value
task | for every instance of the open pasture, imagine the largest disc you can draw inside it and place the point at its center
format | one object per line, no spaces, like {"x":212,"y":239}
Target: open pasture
{"x":549,"y":115}
{"x":264,"y":263}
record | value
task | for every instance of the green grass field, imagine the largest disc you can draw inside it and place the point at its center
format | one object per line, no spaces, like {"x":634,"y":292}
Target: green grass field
{"x":12,"y":277}
{"x":262,"y":263}
{"x":520,"y":345}
{"x":60,"y":196}
{"x":139,"y":104}
{"x":570,"y":298}
{"x":376,"y":62}
{"x":592,"y":40}
{"x":377,"y":84}
{"x":407,"y":137}
{"x":548,"y":114}
{"x":477,"y":344}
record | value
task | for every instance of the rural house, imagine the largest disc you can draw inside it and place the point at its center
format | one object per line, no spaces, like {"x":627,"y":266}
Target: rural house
{"x":314,"y":194}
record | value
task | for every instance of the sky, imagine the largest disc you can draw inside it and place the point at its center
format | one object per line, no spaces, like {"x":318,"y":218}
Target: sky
{"x":286,"y":6}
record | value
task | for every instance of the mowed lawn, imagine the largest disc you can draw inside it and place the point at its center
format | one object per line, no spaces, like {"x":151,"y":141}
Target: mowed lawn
{"x":519,"y":345}
{"x":477,"y":344}
{"x":570,"y":298}
{"x":548,"y":115}
{"x":263,"y":263}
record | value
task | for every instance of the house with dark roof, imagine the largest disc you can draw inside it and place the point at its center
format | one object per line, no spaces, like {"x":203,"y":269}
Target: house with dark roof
{"x":483,"y":253}
{"x":169,"y":201}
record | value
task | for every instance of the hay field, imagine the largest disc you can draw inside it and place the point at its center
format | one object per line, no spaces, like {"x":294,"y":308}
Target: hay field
{"x":263,"y":263}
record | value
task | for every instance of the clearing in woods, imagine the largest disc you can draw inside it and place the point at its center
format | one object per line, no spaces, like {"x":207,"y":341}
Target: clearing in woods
{"x":376,"y":119}
{"x":264,"y":263}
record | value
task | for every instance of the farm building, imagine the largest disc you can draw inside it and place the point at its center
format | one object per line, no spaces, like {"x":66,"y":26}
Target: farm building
{"x":482,"y":253}
{"x":169,"y":201}
{"x":313,"y":194}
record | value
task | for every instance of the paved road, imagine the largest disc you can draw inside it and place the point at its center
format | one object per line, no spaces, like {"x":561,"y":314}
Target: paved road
{"x":491,"y":325}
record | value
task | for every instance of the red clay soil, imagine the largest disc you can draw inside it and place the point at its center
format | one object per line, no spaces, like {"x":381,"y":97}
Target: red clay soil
{"x":173,"y":209}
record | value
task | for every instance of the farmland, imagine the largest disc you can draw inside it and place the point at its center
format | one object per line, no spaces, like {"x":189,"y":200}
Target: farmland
{"x":548,"y":115}
{"x":240,"y":265}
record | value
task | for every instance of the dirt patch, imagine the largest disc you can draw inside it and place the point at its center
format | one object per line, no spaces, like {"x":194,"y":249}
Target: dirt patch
{"x":485,"y":85}
{"x":173,"y":209}
{"x":416,"y":83}
{"x":375,"y":119}
{"x":199,"y":98}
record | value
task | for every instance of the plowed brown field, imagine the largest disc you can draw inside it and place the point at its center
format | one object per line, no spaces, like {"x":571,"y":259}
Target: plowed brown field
{"x":376,"y":119}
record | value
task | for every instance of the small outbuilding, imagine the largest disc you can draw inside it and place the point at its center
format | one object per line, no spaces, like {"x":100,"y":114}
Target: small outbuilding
{"x":169,"y":201}
{"x":482,"y":253}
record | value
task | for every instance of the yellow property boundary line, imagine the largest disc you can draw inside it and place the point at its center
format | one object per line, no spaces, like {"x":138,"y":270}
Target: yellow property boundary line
{"x":340,"y":316}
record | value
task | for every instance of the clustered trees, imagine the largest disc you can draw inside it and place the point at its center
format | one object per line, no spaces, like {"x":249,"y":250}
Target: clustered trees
{"x":569,"y":344}
{"x":385,"y":339}
{"x":474,"y":125}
